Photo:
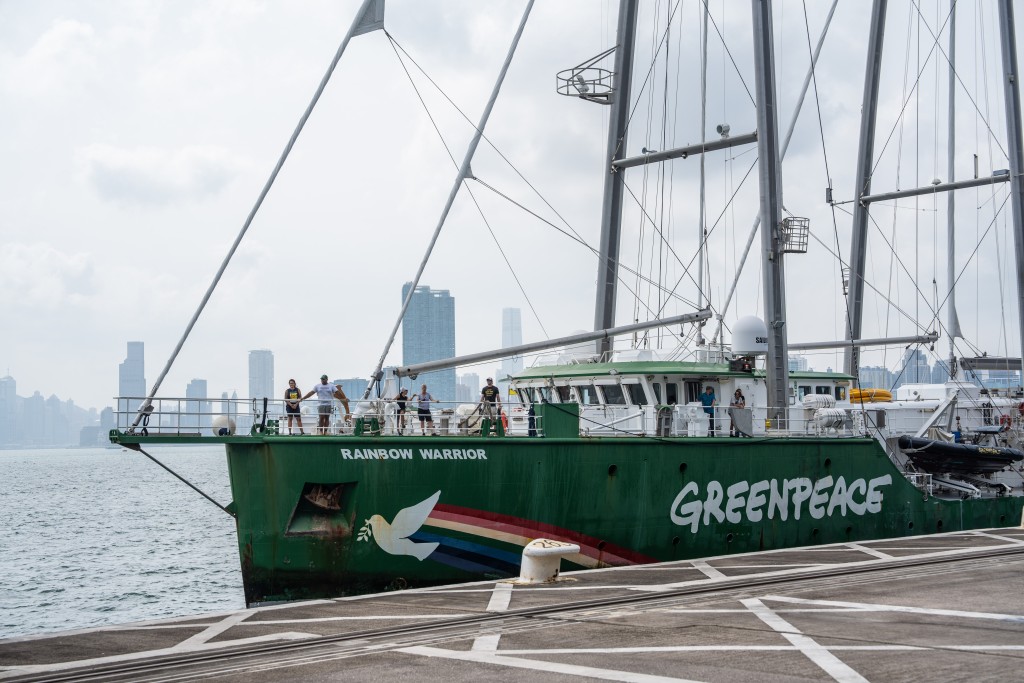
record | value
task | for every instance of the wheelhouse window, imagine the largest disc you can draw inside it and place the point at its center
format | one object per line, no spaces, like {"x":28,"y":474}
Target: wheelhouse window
{"x":564,"y":395}
{"x":613,"y":395}
{"x":693,"y":391}
{"x":823,"y":390}
{"x":840,"y":393}
{"x":802,"y":391}
{"x":637,"y":396}
{"x":588,"y":396}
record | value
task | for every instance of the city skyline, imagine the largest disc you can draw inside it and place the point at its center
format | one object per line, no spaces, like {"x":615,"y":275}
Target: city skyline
{"x":428,"y":333}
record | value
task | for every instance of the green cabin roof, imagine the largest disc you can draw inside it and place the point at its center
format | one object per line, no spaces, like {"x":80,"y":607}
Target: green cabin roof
{"x":656,"y":368}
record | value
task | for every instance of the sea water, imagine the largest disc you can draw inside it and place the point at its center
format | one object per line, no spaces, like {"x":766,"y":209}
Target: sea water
{"x":94,"y":537}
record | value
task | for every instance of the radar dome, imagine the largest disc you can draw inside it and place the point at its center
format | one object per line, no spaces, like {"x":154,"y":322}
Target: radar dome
{"x":749,"y":337}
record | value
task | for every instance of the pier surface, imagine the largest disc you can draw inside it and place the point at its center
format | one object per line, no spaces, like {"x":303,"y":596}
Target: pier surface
{"x":921,"y":608}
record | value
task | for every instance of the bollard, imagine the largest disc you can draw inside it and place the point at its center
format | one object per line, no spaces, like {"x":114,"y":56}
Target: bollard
{"x":541,"y":559}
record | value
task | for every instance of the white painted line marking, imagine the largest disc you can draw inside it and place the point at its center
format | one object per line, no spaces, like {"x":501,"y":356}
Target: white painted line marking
{"x":824,"y":659}
{"x":1008,"y":539}
{"x":501,"y":596}
{"x":132,"y":656}
{"x":537,"y":665}
{"x":372,"y":617}
{"x":869,"y":607}
{"x":752,"y":648}
{"x":707,"y":570}
{"x":870,"y":551}
{"x":212,"y":631}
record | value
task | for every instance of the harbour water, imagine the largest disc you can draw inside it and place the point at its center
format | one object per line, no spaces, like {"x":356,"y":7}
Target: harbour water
{"x":93,"y":537}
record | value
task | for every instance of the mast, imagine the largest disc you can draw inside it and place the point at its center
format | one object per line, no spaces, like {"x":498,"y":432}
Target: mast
{"x":770,"y":181}
{"x":858,"y":250}
{"x":953,"y":323}
{"x":611,"y":212}
{"x":1011,"y":90}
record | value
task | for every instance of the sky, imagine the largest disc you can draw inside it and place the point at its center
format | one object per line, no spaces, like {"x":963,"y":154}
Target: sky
{"x":136,"y":136}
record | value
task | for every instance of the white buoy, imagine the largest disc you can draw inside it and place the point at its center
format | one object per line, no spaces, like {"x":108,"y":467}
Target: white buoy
{"x":542,"y":558}
{"x":223,"y":426}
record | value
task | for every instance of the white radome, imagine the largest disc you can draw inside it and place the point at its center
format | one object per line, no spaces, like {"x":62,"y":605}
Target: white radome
{"x":749,"y":336}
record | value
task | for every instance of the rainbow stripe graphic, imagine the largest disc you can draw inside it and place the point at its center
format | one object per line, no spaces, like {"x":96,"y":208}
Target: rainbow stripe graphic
{"x":491,"y":528}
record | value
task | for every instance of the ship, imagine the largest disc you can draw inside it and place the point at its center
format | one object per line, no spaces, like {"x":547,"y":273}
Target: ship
{"x":612,"y":451}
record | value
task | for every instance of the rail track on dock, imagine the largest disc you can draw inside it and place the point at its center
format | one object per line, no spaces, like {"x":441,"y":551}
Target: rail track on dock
{"x":268,"y":656}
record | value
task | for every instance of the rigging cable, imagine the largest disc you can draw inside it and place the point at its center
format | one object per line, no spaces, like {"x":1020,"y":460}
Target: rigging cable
{"x":479,"y":209}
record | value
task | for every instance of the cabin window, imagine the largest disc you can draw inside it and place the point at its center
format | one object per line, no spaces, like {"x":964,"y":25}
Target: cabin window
{"x":526,"y":394}
{"x":823,"y":390}
{"x":671,"y":393}
{"x":657,"y":393}
{"x":588,"y":396}
{"x":802,"y":391}
{"x":564,"y":394}
{"x":545,"y":394}
{"x":636,"y":394}
{"x":613,"y":395}
{"x":840,"y":393}
{"x":693,"y":391}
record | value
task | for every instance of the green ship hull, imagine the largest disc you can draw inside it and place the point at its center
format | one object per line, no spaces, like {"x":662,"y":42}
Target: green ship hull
{"x":339,"y":515}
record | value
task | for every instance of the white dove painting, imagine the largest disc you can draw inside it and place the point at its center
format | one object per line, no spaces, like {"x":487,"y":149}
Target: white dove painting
{"x":393,"y":538}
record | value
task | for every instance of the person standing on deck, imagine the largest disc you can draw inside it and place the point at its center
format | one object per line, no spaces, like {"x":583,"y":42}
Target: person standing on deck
{"x":707,"y":399}
{"x":326,"y":392}
{"x":292,"y":397}
{"x":423,"y":400}
{"x":403,"y":403}
{"x":490,"y":401}
{"x":738,"y":401}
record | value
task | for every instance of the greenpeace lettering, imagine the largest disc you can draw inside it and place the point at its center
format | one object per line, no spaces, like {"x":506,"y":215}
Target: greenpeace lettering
{"x":776,"y":499}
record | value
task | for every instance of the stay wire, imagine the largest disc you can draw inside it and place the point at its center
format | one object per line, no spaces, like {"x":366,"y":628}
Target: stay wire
{"x":182,"y":479}
{"x":583,"y":243}
{"x":479,"y":209}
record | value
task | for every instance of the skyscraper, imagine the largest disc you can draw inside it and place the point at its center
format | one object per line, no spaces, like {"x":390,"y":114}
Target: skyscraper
{"x":511,"y":335}
{"x":197,"y":416}
{"x":428,"y":333}
{"x":261,"y":374}
{"x":131,"y":381}
{"x":8,"y":411}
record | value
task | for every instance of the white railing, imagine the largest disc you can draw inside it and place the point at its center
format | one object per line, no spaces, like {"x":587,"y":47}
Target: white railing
{"x":220,"y":417}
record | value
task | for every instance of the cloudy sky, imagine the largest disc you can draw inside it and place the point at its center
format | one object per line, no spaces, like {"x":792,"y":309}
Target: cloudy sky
{"x":137,"y":135}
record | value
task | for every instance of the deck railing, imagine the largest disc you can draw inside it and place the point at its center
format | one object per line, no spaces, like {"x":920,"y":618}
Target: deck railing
{"x":205,"y":417}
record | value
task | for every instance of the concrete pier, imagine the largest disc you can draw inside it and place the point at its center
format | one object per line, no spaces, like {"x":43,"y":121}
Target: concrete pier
{"x":921,"y":608}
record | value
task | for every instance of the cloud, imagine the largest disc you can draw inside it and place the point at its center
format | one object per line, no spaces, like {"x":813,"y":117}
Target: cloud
{"x":39,"y":276}
{"x":153,"y":176}
{"x":67,"y":48}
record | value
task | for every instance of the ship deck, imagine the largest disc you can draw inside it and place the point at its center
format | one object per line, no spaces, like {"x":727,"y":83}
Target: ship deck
{"x":918,"y":608}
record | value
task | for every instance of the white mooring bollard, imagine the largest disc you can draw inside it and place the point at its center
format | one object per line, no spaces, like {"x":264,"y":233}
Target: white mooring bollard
{"x":541,"y":559}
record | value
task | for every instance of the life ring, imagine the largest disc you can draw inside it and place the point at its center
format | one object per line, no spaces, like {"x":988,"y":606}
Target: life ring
{"x":504,"y":421}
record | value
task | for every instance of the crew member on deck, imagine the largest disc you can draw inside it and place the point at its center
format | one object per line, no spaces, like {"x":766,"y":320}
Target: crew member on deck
{"x":292,"y":397}
{"x":738,"y":401}
{"x":326,"y":392}
{"x":707,"y":399}
{"x":423,"y":401}
{"x":490,"y":401}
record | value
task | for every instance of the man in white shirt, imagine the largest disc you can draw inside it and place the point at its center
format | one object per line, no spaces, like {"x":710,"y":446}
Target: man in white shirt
{"x":326,"y":392}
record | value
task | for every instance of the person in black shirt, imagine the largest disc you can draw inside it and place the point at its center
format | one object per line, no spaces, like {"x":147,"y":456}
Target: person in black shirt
{"x":402,"y":400}
{"x":292,"y":396}
{"x":490,"y":400}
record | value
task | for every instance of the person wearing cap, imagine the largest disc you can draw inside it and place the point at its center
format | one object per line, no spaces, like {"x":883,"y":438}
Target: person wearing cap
{"x":490,"y":400}
{"x":326,"y":392}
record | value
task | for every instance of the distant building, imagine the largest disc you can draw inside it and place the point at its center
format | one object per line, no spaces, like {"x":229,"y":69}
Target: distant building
{"x":261,"y":374}
{"x":10,"y":431}
{"x":469,"y":388}
{"x":511,"y":336}
{"x":131,"y":382}
{"x":915,"y":368}
{"x":197,"y":415}
{"x":353,"y":387}
{"x":797,"y":364}
{"x":876,"y":377}
{"x":428,"y":333}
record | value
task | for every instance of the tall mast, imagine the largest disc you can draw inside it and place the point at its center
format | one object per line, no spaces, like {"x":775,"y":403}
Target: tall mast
{"x":611,"y":212}
{"x":858,"y":251}
{"x":953,"y":324}
{"x":1011,"y":90}
{"x":770,"y":181}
